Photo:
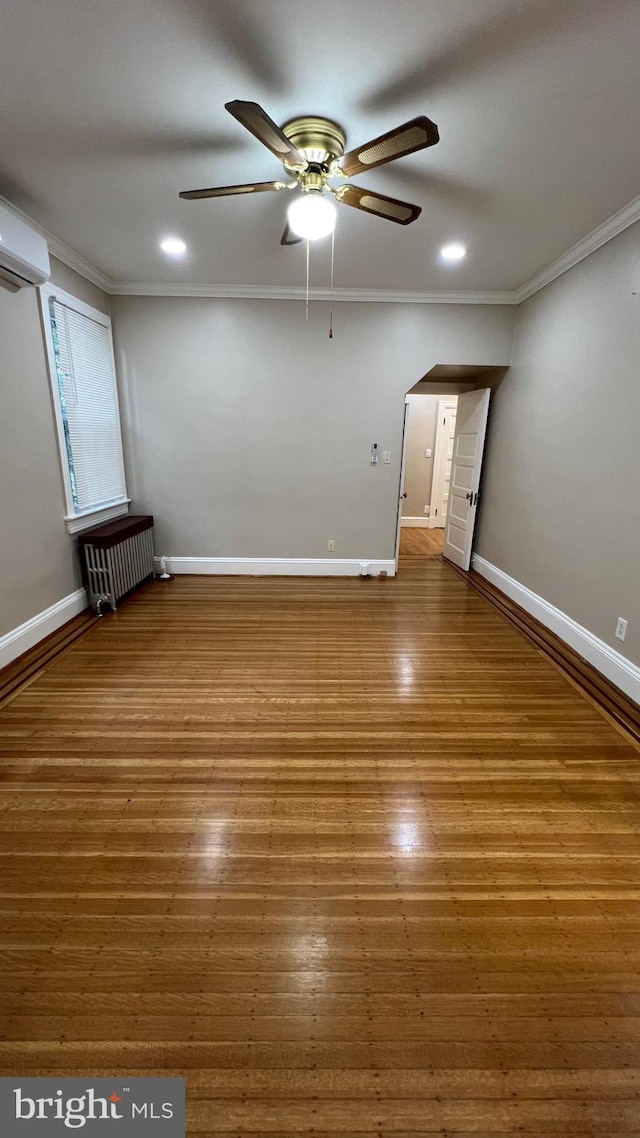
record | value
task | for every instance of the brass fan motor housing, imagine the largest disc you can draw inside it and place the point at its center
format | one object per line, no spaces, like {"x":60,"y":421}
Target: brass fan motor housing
{"x":312,"y":151}
{"x":320,"y":141}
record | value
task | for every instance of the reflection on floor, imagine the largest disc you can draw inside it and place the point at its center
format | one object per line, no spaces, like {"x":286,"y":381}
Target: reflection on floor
{"x":421,"y":542}
{"x":350,"y":855}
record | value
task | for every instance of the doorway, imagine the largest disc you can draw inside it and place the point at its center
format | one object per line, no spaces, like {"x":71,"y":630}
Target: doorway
{"x":441,"y":480}
{"x":440,"y":483}
{"x":429,"y":428}
{"x":421,"y":542}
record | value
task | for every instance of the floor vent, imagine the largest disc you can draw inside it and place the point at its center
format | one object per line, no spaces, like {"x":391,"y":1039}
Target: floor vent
{"x":118,"y":557}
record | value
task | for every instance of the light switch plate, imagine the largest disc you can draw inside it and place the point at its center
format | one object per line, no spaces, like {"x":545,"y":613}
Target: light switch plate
{"x":386,"y":456}
{"x":621,"y":628}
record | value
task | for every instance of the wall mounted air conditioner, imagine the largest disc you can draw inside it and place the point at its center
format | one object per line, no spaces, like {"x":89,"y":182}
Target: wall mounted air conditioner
{"x":24,"y":255}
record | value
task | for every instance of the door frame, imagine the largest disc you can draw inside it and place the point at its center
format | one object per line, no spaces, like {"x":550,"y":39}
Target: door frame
{"x":403,"y":459}
{"x":438,"y":455}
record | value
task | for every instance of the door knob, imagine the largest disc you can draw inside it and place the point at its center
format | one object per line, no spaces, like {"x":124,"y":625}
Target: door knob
{"x":469,"y":495}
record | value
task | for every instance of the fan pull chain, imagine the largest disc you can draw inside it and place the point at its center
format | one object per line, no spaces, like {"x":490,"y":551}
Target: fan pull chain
{"x":306,"y":307}
{"x":333,"y":250}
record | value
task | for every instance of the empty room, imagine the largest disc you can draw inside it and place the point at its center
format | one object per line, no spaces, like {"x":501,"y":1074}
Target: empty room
{"x":320,"y":568}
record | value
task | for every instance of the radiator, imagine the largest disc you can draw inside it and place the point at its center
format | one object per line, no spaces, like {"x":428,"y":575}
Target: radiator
{"x":117,"y":558}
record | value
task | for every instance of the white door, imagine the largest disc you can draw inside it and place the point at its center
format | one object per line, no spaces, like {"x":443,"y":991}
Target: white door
{"x":442,"y":463}
{"x":468,"y":444}
{"x":401,"y":491}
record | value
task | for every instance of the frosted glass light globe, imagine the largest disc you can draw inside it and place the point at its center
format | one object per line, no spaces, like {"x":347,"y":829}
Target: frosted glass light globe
{"x":312,"y":216}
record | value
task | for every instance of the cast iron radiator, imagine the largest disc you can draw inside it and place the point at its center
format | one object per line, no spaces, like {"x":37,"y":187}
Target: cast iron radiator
{"x":117,"y":558}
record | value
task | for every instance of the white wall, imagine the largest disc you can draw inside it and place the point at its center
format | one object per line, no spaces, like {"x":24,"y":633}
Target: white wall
{"x":560,"y":499}
{"x":249,"y":431}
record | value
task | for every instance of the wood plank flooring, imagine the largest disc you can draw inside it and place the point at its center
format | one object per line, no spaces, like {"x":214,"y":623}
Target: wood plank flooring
{"x":415,"y":542}
{"x":26,"y":667}
{"x":350,"y":855}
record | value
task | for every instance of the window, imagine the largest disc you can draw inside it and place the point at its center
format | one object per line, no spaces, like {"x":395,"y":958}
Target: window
{"x":85,"y":397}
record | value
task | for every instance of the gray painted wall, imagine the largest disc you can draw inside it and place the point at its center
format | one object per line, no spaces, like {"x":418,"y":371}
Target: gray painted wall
{"x":79,"y":286}
{"x":38,"y":565}
{"x":250,"y":431}
{"x":561,"y":491}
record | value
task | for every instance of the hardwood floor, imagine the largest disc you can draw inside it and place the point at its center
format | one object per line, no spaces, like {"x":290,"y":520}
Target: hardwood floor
{"x":350,"y":855}
{"x":416,"y":542}
{"x":28,"y":666}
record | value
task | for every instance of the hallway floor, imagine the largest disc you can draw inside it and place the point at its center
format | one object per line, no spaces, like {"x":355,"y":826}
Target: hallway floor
{"x":416,"y":542}
{"x":350,"y":855}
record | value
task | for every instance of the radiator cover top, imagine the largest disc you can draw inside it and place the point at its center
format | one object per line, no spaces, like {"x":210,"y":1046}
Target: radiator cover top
{"x":117,"y":558}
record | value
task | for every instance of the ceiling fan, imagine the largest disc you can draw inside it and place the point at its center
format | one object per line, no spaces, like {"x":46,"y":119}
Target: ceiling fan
{"x":312,"y":152}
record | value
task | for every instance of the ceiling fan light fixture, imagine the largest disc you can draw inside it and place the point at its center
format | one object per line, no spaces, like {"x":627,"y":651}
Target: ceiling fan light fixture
{"x":312,"y":216}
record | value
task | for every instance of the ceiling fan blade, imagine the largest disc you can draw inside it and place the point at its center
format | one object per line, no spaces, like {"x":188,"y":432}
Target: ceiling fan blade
{"x":289,"y":237}
{"x":227,"y":191}
{"x":414,"y":135}
{"x":379,"y":204}
{"x":255,"y":119}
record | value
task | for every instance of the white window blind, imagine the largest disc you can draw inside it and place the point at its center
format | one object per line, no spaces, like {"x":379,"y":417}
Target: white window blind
{"x":89,"y":407}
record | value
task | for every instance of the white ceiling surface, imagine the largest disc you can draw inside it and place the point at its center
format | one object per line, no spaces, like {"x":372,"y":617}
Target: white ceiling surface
{"x":109,"y":109}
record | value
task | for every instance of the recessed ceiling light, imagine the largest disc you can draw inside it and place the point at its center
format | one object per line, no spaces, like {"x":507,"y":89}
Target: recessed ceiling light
{"x":174,"y":246}
{"x":454,"y":251}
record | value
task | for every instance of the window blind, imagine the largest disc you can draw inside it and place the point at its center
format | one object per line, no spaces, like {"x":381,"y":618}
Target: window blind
{"x":89,"y":404}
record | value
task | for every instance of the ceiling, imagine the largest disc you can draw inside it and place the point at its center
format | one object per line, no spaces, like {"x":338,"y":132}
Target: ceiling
{"x":109,"y":109}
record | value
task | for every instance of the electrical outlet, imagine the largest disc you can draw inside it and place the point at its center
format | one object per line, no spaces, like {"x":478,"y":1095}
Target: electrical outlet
{"x":426,"y":510}
{"x":427,"y":453}
{"x":621,"y":628}
{"x":331,"y":546}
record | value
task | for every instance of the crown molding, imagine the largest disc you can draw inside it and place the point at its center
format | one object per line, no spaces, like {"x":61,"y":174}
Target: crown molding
{"x":285,"y":292}
{"x":76,"y":261}
{"x":62,"y":251}
{"x":609,"y":229}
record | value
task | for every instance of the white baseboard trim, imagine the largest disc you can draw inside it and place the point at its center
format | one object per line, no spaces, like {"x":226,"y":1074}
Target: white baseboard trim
{"x":602,"y":656}
{"x":415,"y":523}
{"x":279,"y":566}
{"x":27,"y":635}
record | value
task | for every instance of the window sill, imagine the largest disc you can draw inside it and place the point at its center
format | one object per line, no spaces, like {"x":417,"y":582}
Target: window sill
{"x":77,"y":522}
